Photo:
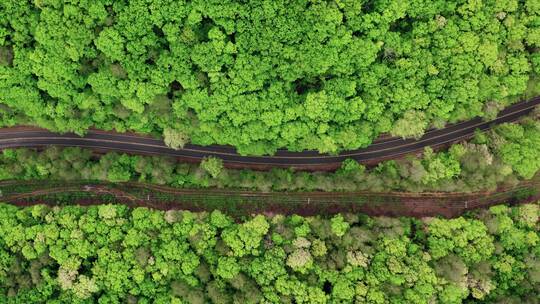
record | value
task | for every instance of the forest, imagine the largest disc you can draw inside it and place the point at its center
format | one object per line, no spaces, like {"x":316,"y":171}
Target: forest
{"x":264,"y":74}
{"x":502,"y":157}
{"x":114,"y":254}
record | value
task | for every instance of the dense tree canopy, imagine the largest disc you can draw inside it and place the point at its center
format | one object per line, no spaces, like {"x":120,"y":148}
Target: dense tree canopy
{"x":519,"y":146}
{"x":300,"y":74}
{"x":113,"y":254}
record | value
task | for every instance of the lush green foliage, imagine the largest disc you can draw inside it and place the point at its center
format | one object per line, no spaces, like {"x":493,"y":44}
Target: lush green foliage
{"x":212,"y":165}
{"x":301,"y":74}
{"x":519,"y":146}
{"x":113,"y":254}
{"x":501,"y":157}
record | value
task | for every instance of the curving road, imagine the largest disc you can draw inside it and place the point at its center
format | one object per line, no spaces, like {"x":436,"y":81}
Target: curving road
{"x":382,"y":149}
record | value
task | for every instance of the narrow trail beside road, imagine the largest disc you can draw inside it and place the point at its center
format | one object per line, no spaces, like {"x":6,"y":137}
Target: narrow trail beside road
{"x":243,"y":203}
{"x":382,"y":149}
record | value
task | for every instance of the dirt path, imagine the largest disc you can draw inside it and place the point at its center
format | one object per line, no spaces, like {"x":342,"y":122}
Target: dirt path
{"x":240,"y":203}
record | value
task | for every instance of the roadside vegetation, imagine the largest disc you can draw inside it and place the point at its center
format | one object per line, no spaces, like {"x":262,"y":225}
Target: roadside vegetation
{"x":114,"y":254}
{"x":323,"y":75}
{"x":501,"y":157}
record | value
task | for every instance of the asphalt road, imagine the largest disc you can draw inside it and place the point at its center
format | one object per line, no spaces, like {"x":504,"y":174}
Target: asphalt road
{"x":387,"y":148}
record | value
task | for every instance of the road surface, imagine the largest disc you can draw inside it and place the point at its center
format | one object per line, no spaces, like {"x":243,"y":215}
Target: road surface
{"x":387,"y":148}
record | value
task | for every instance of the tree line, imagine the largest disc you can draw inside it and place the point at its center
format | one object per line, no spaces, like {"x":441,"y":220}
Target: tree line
{"x":501,"y":157}
{"x":114,"y":254}
{"x":299,"y":74}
